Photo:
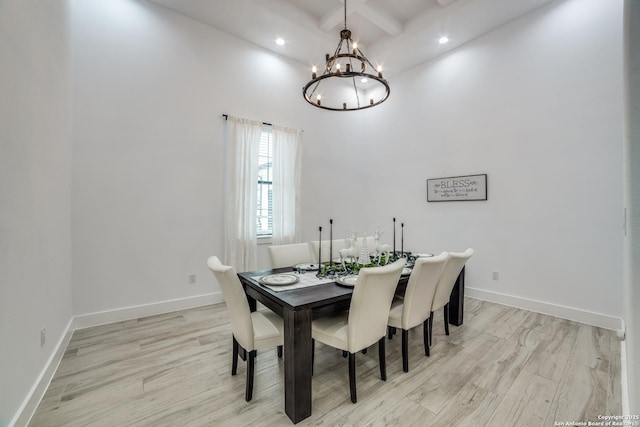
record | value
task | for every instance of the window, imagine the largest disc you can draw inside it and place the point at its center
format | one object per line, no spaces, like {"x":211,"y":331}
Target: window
{"x":265,"y":185}
{"x":262,"y":170}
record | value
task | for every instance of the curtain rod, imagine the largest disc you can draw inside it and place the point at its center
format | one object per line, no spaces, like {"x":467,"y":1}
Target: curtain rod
{"x":264,"y":123}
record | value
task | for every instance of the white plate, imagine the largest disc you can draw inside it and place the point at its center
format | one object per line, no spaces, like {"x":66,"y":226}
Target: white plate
{"x":425,"y":255}
{"x":347,"y":280}
{"x":406,"y":271}
{"x":279,"y":279}
{"x":306,"y":267}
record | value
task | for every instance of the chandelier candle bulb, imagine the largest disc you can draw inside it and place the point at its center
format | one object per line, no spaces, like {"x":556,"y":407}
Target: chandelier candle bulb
{"x":379,"y":71}
{"x":355,"y":48}
{"x":314,"y":70}
{"x":371,"y":101}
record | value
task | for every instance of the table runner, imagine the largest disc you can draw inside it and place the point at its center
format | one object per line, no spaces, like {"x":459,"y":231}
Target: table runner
{"x":304,"y":280}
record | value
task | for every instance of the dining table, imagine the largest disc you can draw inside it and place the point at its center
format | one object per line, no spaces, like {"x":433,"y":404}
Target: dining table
{"x":298,"y":307}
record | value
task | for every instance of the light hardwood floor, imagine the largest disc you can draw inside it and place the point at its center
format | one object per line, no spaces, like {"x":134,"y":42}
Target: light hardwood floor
{"x":503,"y":367}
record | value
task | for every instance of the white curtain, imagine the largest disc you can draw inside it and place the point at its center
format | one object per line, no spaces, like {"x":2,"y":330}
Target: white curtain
{"x":287,"y":154}
{"x":241,"y":188}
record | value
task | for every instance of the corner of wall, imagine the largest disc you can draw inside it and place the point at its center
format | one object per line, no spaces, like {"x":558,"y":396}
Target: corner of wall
{"x":39,"y":388}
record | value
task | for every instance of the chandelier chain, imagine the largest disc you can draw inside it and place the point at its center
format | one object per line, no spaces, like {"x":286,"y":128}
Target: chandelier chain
{"x":345,"y":14}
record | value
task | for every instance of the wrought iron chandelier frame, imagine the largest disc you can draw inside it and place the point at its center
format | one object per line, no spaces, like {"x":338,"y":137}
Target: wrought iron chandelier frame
{"x":333,"y":69}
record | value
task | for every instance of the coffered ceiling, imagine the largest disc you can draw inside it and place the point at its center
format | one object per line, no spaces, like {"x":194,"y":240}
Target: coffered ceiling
{"x":398,"y":34}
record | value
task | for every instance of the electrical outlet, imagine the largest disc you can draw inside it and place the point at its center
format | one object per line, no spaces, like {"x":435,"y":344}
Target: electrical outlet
{"x":192,"y":279}
{"x":495,"y":275}
{"x":43,"y":336}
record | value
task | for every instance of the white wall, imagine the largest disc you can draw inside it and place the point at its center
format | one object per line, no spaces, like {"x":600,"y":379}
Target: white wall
{"x":632,"y":199}
{"x":536,"y":105}
{"x":35,"y":167}
{"x":150,"y":88}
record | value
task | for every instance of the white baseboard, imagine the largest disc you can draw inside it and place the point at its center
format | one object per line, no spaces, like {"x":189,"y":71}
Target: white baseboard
{"x":134,"y":312}
{"x":31,"y":402}
{"x":564,"y":312}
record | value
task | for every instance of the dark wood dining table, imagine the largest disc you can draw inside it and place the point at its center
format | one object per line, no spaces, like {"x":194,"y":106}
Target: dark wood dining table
{"x":298,"y":307}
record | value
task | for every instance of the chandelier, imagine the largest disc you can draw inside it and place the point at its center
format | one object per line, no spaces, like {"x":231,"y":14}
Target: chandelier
{"x":349,"y":81}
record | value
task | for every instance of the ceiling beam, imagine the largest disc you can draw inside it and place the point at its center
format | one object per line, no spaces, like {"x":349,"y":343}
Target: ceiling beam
{"x":385,"y":21}
{"x":332,"y":18}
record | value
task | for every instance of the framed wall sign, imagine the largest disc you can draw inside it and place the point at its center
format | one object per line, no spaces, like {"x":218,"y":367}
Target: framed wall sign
{"x":457,"y":188}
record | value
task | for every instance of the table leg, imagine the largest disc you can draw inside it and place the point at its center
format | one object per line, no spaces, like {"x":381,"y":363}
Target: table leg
{"x":297,"y":364}
{"x":456,"y":302}
{"x":253,"y":304}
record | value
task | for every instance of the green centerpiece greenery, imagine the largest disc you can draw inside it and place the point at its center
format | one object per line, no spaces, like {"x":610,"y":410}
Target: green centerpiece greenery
{"x":349,"y":267}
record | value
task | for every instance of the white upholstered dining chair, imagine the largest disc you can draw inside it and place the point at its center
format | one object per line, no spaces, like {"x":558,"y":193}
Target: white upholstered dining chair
{"x":447,"y":281}
{"x":366,"y":321}
{"x":290,"y":255}
{"x":415,"y":307}
{"x":251,"y":330}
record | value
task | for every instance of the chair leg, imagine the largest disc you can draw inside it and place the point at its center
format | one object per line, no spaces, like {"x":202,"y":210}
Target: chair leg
{"x":280,"y":351}
{"x":446,"y":319}
{"x":250,"y":359}
{"x":352,"y":377}
{"x":391,"y":331}
{"x":234,"y":361}
{"x":430,"y":328}
{"x":364,"y":351}
{"x":345,"y":353}
{"x":383,"y":359}
{"x":426,"y":338}
{"x":405,"y":350}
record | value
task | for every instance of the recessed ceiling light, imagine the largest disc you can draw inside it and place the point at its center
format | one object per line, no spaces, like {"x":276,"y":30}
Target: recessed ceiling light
{"x":279,"y":41}
{"x":443,"y":39}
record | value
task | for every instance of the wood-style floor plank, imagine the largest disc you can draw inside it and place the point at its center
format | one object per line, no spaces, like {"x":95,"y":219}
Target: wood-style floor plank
{"x":503,"y":367}
{"x":526,"y":403}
